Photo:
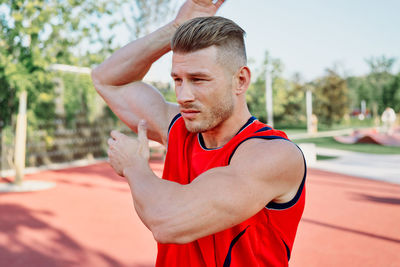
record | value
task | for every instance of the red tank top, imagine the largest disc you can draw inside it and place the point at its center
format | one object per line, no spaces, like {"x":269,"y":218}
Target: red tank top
{"x":265,"y":239}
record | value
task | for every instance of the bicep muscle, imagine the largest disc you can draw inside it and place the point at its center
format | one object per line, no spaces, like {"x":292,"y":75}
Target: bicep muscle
{"x":137,"y":100}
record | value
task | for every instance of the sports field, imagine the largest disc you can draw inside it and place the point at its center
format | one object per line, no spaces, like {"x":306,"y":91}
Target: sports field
{"x":88,"y":220}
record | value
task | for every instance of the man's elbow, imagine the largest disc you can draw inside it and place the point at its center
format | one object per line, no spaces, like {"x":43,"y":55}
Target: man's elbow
{"x":165,"y":235}
{"x":98,"y":84}
{"x":95,"y":74}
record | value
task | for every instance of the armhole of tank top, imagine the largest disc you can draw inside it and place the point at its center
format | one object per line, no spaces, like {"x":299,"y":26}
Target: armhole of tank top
{"x":177,"y":116}
{"x":283,"y":206}
{"x":273,"y":205}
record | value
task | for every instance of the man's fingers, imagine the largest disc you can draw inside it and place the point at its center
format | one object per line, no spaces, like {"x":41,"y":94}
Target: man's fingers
{"x":142,"y":133}
{"x":143,"y":141}
{"x":115,"y":134}
{"x":110,"y":141}
{"x":218,"y":3}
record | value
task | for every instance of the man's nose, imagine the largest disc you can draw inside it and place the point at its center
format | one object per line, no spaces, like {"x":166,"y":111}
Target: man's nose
{"x":184,"y":94}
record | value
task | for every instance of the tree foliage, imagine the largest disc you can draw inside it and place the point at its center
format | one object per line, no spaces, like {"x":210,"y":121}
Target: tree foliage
{"x":295,"y":104}
{"x":288,"y":95}
{"x":37,"y":33}
{"x":256,"y":93}
{"x":333,"y":96}
{"x":379,"y":88}
{"x":381,"y":82}
{"x":330,"y":102}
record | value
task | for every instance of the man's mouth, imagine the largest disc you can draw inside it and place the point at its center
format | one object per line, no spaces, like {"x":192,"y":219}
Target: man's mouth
{"x":189,"y":113}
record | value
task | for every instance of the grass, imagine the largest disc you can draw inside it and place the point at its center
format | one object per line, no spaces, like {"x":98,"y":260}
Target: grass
{"x":345,"y":124}
{"x":329,"y":142}
{"x":323,"y":157}
{"x":294,"y":131}
{"x":351,"y":123}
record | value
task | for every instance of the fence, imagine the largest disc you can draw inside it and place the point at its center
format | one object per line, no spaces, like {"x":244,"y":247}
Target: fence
{"x":60,"y":142}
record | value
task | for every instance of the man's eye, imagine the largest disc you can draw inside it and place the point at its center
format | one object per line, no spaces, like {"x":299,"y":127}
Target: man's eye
{"x":178,"y":80}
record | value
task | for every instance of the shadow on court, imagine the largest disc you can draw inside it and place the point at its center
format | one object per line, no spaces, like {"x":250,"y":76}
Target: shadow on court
{"x":88,"y":219}
{"x":378,"y":199}
{"x":348,"y":221}
{"x":355,"y":231}
{"x":29,"y":239}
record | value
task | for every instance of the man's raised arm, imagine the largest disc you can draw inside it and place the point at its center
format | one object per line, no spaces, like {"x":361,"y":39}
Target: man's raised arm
{"x":118,"y":79}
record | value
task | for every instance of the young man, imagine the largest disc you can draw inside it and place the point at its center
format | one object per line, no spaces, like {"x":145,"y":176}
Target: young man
{"x":232,"y":192}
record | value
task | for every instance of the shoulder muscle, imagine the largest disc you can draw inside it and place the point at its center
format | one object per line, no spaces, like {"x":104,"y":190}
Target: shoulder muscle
{"x":276,"y":164}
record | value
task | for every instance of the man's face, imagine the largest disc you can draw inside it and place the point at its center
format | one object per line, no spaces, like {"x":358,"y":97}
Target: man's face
{"x":203,"y":89}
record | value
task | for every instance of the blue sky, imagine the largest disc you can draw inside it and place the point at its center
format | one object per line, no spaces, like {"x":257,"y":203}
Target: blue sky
{"x":311,"y":35}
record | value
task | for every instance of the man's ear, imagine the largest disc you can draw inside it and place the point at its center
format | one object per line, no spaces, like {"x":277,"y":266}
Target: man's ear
{"x":243,"y":78}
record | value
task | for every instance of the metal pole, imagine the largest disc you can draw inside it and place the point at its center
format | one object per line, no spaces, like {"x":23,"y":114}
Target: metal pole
{"x":363,"y":107}
{"x":20,"y":140}
{"x":1,"y":149}
{"x":268,"y":98}
{"x":309,"y":111}
{"x":69,"y":68}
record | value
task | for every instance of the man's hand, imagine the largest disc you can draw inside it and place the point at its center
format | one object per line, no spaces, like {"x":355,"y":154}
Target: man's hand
{"x":197,"y":8}
{"x":124,"y":152}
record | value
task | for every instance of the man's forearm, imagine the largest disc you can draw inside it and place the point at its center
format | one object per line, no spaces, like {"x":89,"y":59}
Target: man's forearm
{"x":153,"y":198}
{"x":132,"y":62}
{"x":177,"y":213}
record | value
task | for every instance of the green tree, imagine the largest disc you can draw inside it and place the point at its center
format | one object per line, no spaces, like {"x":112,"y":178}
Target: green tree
{"x":331,"y":100}
{"x":392,"y":93}
{"x":79,"y":95}
{"x":37,"y":33}
{"x":295,"y":105}
{"x":288,"y":95}
{"x":256,"y":93}
{"x":379,"y":88}
{"x":358,"y":90}
{"x":382,"y":82}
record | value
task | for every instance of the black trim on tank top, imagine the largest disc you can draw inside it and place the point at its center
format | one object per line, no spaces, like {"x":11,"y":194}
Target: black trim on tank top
{"x":227,"y":261}
{"x":282,"y":206}
{"x":177,"y":116}
{"x":269,"y":137}
{"x":293,"y":201}
{"x":249,"y":121}
{"x":203,"y":144}
{"x":263,"y":129}
{"x":287,"y":250}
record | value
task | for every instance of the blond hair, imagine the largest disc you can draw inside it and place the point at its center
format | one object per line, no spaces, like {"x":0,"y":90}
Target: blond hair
{"x":203,"y":32}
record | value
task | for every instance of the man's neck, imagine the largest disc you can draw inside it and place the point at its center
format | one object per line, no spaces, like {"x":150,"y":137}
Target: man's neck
{"x":220,"y":135}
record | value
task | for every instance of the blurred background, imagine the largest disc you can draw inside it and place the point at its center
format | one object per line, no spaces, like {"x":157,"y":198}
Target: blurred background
{"x":345,"y":53}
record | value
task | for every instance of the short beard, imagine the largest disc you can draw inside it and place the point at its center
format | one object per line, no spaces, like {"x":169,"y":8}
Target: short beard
{"x":219,"y":113}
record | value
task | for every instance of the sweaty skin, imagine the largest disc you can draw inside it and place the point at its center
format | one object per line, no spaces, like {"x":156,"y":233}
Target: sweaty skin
{"x":212,"y":101}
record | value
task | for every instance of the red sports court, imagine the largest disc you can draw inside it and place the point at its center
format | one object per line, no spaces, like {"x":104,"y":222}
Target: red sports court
{"x":88,"y":219}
